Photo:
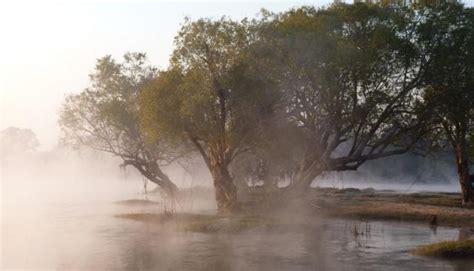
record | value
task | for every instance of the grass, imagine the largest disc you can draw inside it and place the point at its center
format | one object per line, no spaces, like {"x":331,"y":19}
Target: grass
{"x":417,"y":207}
{"x":407,"y":213}
{"x":368,"y":204}
{"x":201,"y":223}
{"x":365,"y":204}
{"x":228,"y":224}
{"x":402,"y":212}
{"x":446,"y":200}
{"x":448,"y":249}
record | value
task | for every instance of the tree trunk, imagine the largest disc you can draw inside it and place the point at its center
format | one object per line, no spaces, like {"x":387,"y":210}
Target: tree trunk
{"x":226,"y":192}
{"x":153,"y":173}
{"x":462,"y":164}
{"x":165,"y":183}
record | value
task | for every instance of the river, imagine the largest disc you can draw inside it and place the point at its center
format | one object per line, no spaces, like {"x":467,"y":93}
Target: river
{"x":77,"y":235}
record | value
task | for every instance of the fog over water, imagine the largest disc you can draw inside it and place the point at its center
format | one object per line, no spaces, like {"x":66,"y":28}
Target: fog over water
{"x":58,"y":212}
{"x":80,"y":209}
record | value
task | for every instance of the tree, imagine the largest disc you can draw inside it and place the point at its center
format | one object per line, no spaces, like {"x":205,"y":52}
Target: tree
{"x":104,"y":117}
{"x":17,"y":140}
{"x":350,"y":76}
{"x":210,"y":97}
{"x":450,"y":83}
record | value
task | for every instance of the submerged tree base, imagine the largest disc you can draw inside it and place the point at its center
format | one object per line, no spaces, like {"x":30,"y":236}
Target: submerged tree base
{"x":463,"y":249}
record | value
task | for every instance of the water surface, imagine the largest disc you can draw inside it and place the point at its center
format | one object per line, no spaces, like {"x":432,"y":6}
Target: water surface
{"x":86,"y":236}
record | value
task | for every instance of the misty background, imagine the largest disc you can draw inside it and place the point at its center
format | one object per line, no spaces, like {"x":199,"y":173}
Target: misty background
{"x":52,"y":49}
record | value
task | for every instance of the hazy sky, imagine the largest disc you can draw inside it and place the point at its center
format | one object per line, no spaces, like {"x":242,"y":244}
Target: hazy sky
{"x":47,"y":49}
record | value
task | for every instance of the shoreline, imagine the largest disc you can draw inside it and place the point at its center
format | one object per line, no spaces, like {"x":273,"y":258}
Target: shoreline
{"x":351,"y":203}
{"x":415,"y":207}
{"x":267,"y":209}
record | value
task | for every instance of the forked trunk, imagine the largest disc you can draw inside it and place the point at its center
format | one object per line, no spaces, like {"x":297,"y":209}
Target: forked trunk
{"x":462,"y":164}
{"x":226,"y":192}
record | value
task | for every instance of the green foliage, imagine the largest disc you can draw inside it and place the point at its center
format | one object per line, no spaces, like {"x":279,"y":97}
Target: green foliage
{"x":350,"y":78}
{"x":339,"y":85}
{"x":301,"y":92}
{"x":105,"y":116}
{"x":450,"y":79}
{"x":211,"y":95}
{"x":161,"y":107}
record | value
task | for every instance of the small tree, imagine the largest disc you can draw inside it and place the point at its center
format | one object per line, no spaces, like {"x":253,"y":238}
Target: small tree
{"x":104,"y":117}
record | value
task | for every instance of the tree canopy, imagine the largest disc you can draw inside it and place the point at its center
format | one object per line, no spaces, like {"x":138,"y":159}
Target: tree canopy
{"x":450,"y":84}
{"x":350,"y":76}
{"x":288,"y":96}
{"x":104,"y":117}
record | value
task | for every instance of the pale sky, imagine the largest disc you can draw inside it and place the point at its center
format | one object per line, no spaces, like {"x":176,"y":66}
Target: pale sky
{"x":47,"y":49}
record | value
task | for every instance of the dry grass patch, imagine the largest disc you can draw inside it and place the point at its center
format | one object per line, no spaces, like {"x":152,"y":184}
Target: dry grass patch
{"x":463,"y":249}
{"x":456,"y":217}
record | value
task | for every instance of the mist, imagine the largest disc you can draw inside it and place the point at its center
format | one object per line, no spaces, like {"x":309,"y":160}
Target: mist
{"x":407,"y":173}
{"x":237,"y":136}
{"x":60,"y":204}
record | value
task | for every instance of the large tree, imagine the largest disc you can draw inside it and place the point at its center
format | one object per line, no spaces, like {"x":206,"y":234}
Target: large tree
{"x":211,"y":97}
{"x":350,"y":76}
{"x":450,"y":82}
{"x":104,"y":117}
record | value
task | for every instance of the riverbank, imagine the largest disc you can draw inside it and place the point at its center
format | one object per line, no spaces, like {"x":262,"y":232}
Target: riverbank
{"x":351,"y":203}
{"x":367,"y":204}
{"x":360,"y":204}
{"x":389,"y":205}
{"x":461,"y":249}
{"x":270,"y":211}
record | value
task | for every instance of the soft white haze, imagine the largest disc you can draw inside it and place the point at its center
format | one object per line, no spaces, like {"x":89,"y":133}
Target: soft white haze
{"x":48,"y":49}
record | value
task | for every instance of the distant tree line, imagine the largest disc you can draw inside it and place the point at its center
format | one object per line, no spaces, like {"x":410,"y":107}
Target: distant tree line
{"x":14,"y":140}
{"x":289,"y":96}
